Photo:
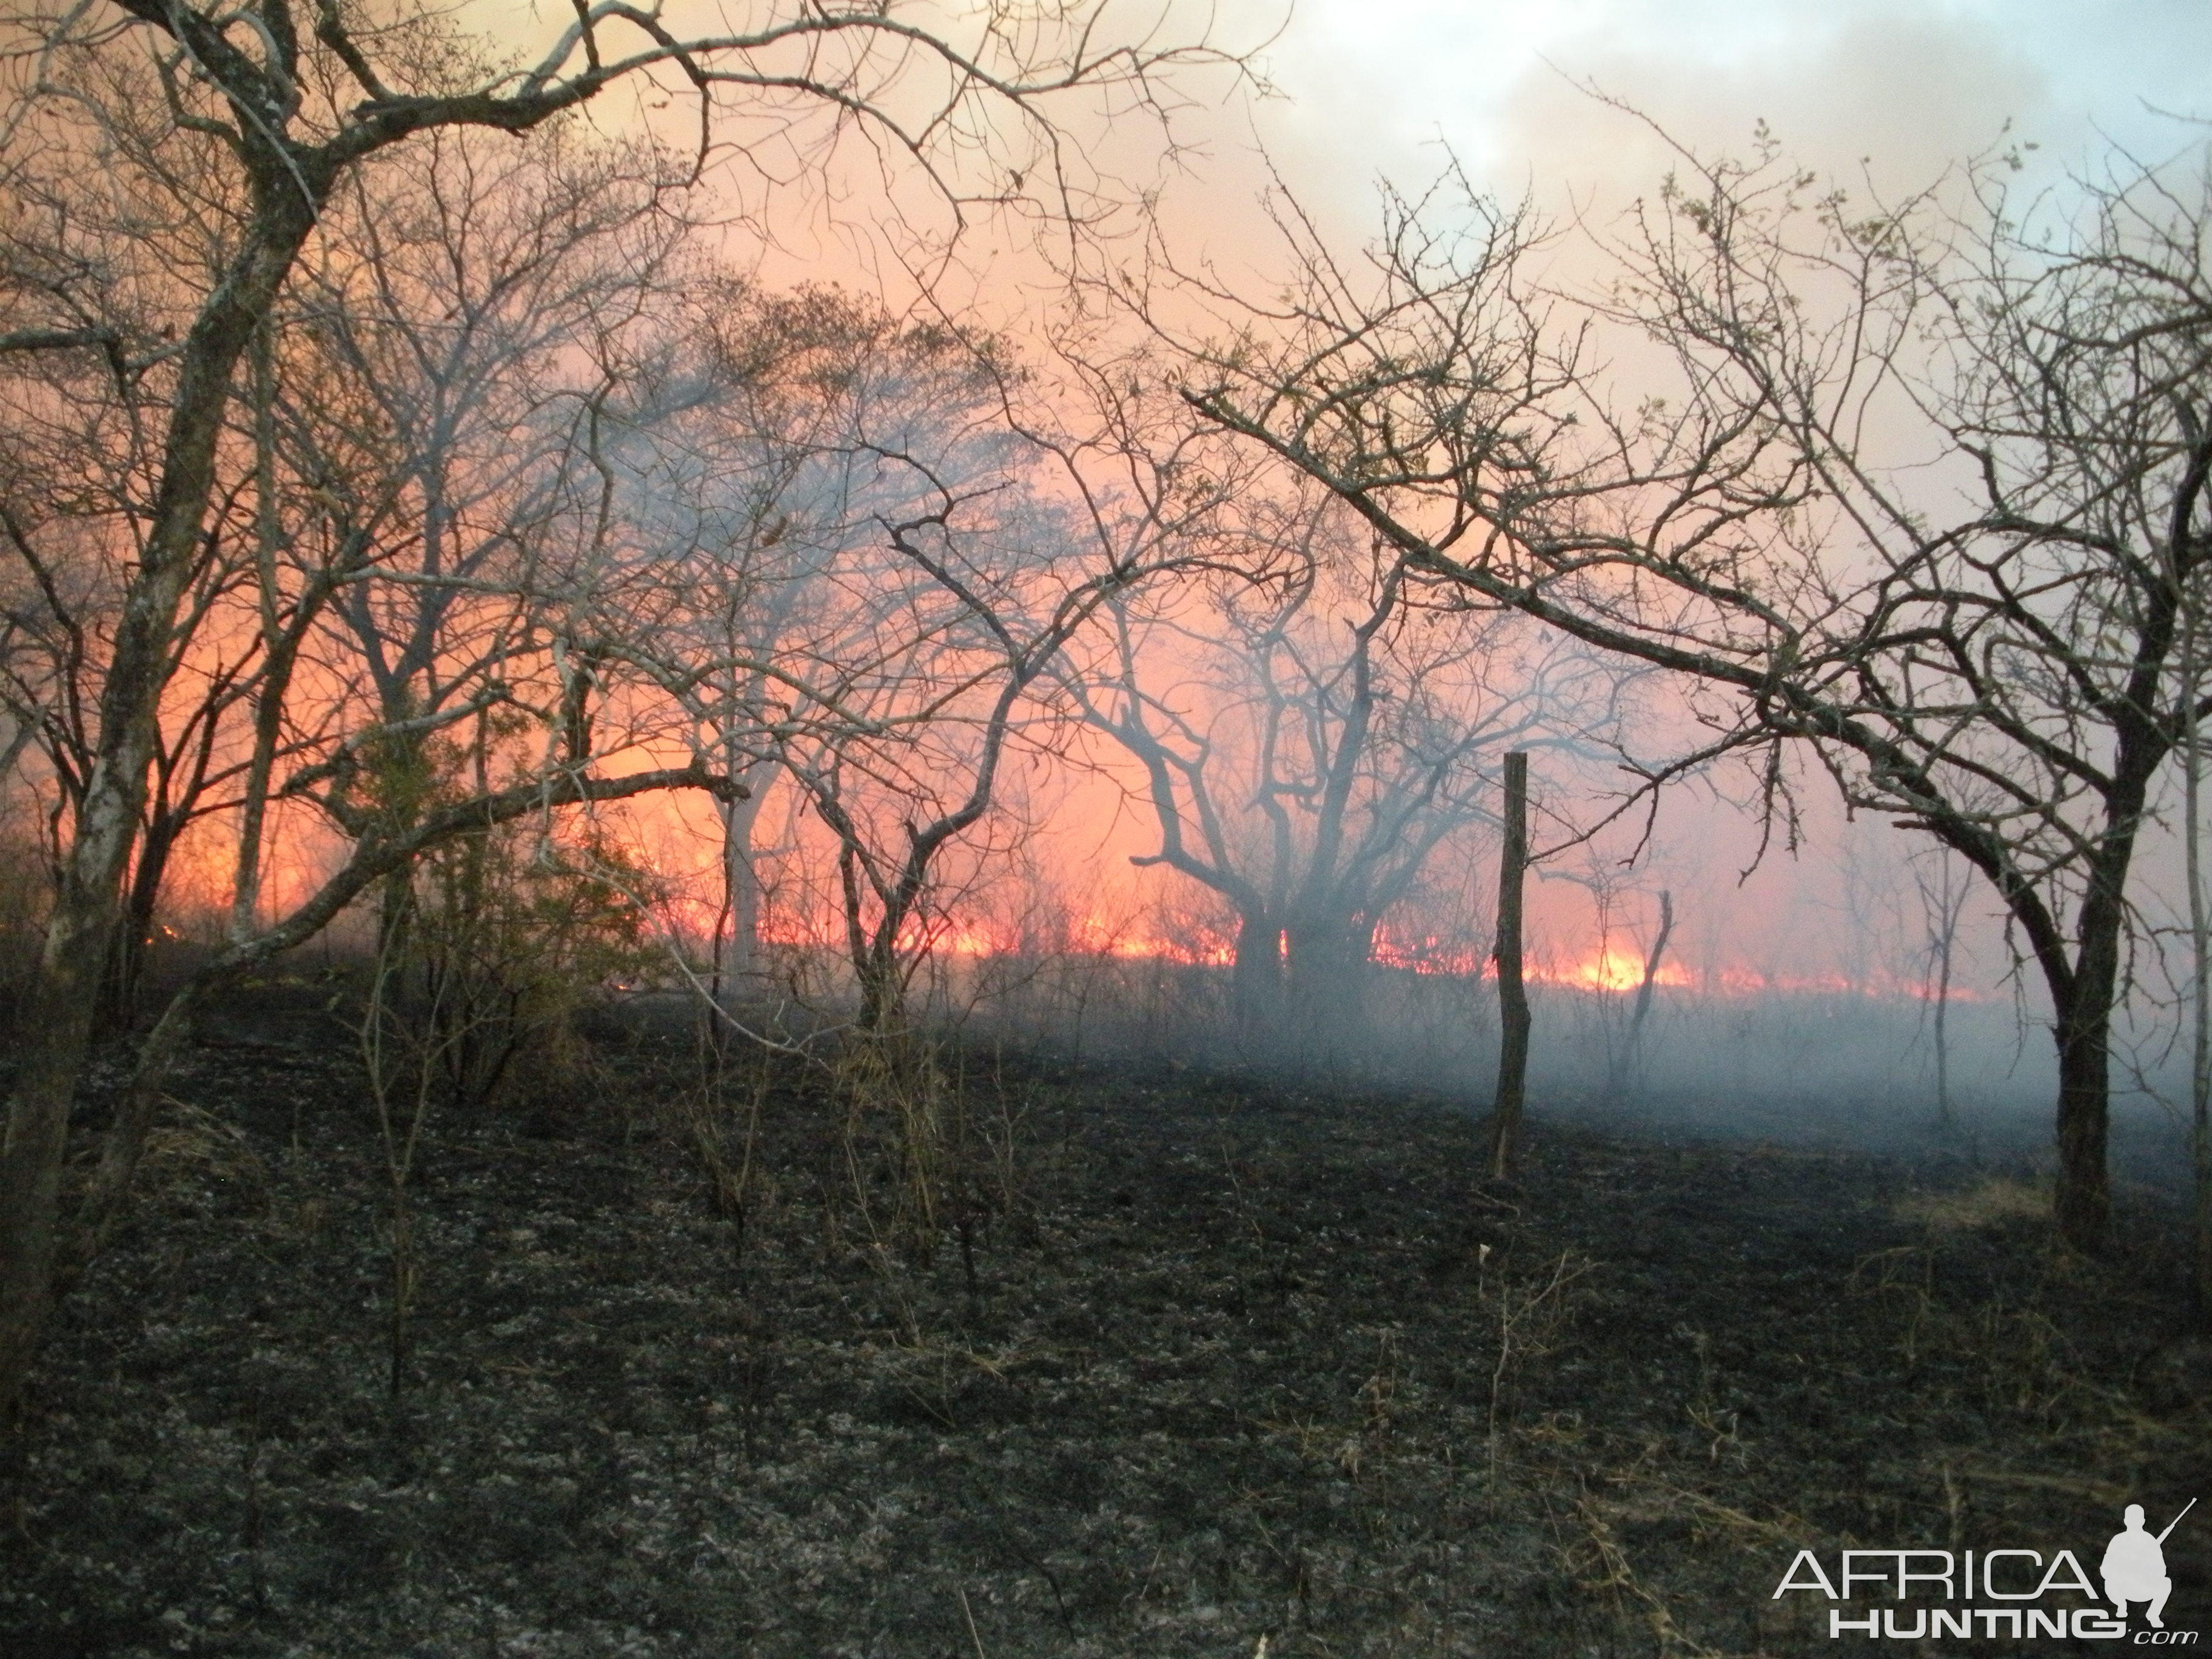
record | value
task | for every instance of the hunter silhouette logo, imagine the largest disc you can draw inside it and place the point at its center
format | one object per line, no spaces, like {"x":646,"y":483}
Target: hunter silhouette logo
{"x":2135,"y":1565}
{"x":2015,"y":1591}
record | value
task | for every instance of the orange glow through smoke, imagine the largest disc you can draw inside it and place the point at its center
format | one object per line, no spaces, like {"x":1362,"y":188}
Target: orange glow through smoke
{"x":674,"y":835}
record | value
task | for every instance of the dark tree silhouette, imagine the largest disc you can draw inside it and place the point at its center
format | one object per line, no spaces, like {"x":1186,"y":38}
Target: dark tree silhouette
{"x":1980,"y":643}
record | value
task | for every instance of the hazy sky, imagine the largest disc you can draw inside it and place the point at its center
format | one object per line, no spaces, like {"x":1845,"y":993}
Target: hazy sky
{"x":1372,"y":82}
{"x":1371,"y":87}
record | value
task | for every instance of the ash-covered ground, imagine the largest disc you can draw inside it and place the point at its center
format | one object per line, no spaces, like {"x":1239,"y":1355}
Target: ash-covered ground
{"x":1026,"y":1359}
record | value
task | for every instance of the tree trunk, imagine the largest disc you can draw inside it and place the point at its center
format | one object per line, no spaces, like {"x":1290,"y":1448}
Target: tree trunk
{"x":883,"y":997}
{"x":2084,"y":1017}
{"x":2082,"y":998}
{"x":1944,"y":948}
{"x":134,"y":934}
{"x":741,"y":890}
{"x":1255,"y":973}
{"x":124,"y":1139}
{"x":56,"y":1032}
{"x":2083,"y":1201}
{"x":88,"y":906}
{"x":1627,"y":1077}
{"x":1512,"y":995}
{"x":1326,"y":975}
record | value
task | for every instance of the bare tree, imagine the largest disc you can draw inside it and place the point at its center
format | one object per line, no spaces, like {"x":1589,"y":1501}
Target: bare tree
{"x":1627,"y":1070}
{"x":1979,"y":640}
{"x":1312,"y":728}
{"x":900,"y":534}
{"x":1943,"y":891}
{"x":117,"y":257}
{"x":798,"y":633}
{"x":964,"y":632}
{"x":279,"y":117}
{"x":741,"y":494}
{"x":1512,"y":995}
{"x":474,"y":311}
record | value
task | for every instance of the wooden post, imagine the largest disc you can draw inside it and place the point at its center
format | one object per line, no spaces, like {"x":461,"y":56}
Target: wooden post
{"x":1512,"y":995}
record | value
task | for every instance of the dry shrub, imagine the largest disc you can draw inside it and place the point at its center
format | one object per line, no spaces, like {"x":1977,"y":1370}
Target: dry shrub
{"x":191,"y":1150}
{"x":508,"y":936}
{"x":1600,"y":1562}
{"x":1363,"y":1438}
{"x":930,"y":1154}
{"x":899,"y":1139}
{"x":1529,"y":1317}
{"x":718,"y":1118}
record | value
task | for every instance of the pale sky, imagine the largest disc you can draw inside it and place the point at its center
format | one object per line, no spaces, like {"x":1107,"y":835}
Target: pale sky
{"x":1895,"y":89}
{"x":1371,"y":82}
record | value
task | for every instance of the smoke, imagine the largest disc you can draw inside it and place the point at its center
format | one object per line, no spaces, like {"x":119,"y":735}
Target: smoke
{"x":1911,"y":88}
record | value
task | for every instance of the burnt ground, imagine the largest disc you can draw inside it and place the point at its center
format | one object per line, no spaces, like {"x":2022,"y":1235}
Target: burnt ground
{"x":1177,"y":1360}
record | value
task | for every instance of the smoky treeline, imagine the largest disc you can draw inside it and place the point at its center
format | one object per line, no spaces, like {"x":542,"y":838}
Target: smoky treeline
{"x":519,"y":484}
{"x":421,"y":531}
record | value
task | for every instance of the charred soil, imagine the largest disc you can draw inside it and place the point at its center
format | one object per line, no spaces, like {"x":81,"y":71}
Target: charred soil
{"x":1049,"y":1359}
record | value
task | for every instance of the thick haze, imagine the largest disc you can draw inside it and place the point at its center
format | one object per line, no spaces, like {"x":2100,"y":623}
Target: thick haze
{"x":1372,"y":87}
{"x":1881,"y":98}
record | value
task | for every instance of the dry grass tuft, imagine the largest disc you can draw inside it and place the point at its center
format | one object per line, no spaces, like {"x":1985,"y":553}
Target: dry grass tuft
{"x":193,"y":1147}
{"x":1995,"y":1199}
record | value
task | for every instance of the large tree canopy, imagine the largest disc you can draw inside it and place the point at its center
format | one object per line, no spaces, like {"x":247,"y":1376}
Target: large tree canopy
{"x":1924,"y":488}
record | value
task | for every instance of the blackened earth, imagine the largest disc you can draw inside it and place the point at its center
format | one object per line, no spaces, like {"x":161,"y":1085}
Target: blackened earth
{"x":1178,"y":1360}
